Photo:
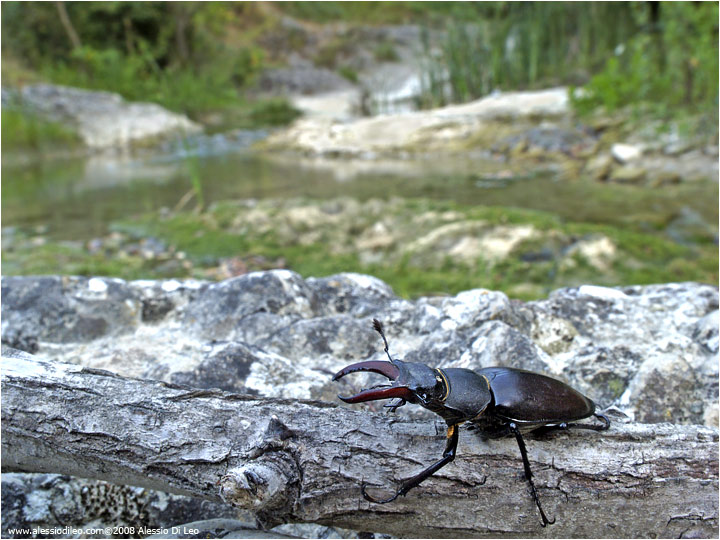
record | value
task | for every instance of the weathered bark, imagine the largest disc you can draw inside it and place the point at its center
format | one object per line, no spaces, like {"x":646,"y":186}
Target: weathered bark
{"x":293,"y":460}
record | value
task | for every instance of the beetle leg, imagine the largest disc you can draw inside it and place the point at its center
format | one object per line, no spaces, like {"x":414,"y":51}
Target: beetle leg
{"x":595,"y":427}
{"x":544,"y":430}
{"x":407,"y":485}
{"x":392,"y":407}
{"x":604,"y":420}
{"x":528,"y":473}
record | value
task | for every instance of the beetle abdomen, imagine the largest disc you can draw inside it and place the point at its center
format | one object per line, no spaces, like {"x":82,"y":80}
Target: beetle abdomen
{"x":525,"y":396}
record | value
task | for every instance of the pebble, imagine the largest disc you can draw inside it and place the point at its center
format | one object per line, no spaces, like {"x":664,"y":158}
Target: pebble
{"x":624,"y":153}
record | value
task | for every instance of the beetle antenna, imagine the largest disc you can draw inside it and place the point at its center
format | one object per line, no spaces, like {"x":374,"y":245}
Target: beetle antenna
{"x":377,"y":325}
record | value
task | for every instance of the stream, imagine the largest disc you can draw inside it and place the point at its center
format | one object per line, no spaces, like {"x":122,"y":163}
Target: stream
{"x":78,"y":197}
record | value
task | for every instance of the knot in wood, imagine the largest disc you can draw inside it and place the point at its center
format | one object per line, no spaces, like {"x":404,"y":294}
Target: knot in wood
{"x":260,"y":484}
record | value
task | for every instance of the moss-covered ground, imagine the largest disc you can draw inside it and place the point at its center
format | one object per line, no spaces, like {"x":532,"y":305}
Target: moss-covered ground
{"x":418,"y":246}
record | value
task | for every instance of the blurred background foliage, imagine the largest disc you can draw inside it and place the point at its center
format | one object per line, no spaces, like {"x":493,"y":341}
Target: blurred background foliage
{"x":173,"y":53}
{"x":652,"y":66}
{"x":671,"y":64}
{"x":198,"y":56}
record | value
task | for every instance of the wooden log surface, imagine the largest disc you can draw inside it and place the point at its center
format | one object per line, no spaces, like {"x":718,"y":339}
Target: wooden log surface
{"x":302,"y":461}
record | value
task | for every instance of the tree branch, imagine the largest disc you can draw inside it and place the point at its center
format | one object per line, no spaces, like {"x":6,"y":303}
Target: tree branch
{"x":68,"y":26}
{"x":292,"y":460}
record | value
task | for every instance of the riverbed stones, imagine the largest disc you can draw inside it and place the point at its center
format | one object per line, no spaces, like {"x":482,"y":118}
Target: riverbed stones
{"x":628,"y":174}
{"x":468,"y":241}
{"x":625,"y":153}
{"x":547,"y":142}
{"x":517,"y":128}
{"x":598,"y":251}
{"x":598,"y":167}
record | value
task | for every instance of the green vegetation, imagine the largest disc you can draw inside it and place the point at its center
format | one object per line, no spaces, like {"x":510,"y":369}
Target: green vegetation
{"x":316,"y":243}
{"x":73,"y":259}
{"x":385,"y":52}
{"x":330,"y":54}
{"x":660,"y":53}
{"x":511,"y":45}
{"x":185,"y":56}
{"x":196,"y":57}
{"x":382,"y":12}
{"x":25,"y":131}
{"x":203,"y":58}
{"x":349,"y":73}
{"x":672,"y":66}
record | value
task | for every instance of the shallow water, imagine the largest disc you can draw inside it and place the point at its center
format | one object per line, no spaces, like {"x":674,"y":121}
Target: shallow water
{"x":77,"y":197}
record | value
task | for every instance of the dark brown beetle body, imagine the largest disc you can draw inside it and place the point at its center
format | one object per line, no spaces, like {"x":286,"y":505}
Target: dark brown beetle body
{"x":495,"y":401}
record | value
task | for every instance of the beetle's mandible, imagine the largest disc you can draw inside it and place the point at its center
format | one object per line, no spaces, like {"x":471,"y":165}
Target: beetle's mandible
{"x":496,"y":401}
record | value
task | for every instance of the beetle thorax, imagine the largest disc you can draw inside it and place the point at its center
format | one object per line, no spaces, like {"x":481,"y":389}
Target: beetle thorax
{"x":425,"y":383}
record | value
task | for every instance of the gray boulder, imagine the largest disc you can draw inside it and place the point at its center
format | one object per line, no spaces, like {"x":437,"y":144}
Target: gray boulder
{"x":103,"y":119}
{"x":649,"y":350}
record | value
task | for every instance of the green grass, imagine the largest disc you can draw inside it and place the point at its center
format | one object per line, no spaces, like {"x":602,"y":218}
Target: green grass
{"x":349,"y":73}
{"x":62,"y":259}
{"x":385,"y":51}
{"x":137,"y":77}
{"x":270,"y":112}
{"x":380,"y":12}
{"x":642,"y":258}
{"x":206,"y":238}
{"x":25,"y":131}
{"x":217,"y":87}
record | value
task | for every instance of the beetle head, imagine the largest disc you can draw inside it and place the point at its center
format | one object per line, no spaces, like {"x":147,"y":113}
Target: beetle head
{"x":411,"y":381}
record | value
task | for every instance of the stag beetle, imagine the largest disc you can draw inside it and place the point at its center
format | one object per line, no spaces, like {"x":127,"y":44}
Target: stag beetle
{"x":497,"y":401}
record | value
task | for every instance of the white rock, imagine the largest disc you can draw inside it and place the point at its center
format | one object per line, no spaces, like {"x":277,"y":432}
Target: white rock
{"x":625,"y":152}
{"x":323,"y":135}
{"x":97,"y":285}
{"x":605,"y":293}
{"x":104,"y":119}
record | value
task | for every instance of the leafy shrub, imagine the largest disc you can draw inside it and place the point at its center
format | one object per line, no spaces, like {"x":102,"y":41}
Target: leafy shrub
{"x":385,"y":52}
{"x":672,"y":66}
{"x":349,"y":73}
{"x":273,"y":112}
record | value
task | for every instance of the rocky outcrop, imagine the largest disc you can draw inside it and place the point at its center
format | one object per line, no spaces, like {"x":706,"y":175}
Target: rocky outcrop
{"x":102,"y":119}
{"x":513,"y":127}
{"x":651,"y":350}
{"x":439,"y":129}
{"x":328,"y":75}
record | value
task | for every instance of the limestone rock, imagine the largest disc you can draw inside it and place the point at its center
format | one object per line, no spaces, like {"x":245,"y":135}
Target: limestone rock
{"x":274,"y":333}
{"x":393,"y":133}
{"x":625,"y":153}
{"x":629,"y":174}
{"x":104,"y":119}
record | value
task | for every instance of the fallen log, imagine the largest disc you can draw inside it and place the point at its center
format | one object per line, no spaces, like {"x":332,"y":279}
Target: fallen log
{"x":302,"y":461}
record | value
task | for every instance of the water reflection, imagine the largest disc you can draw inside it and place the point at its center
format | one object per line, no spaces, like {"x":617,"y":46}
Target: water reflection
{"x":77,"y":198}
